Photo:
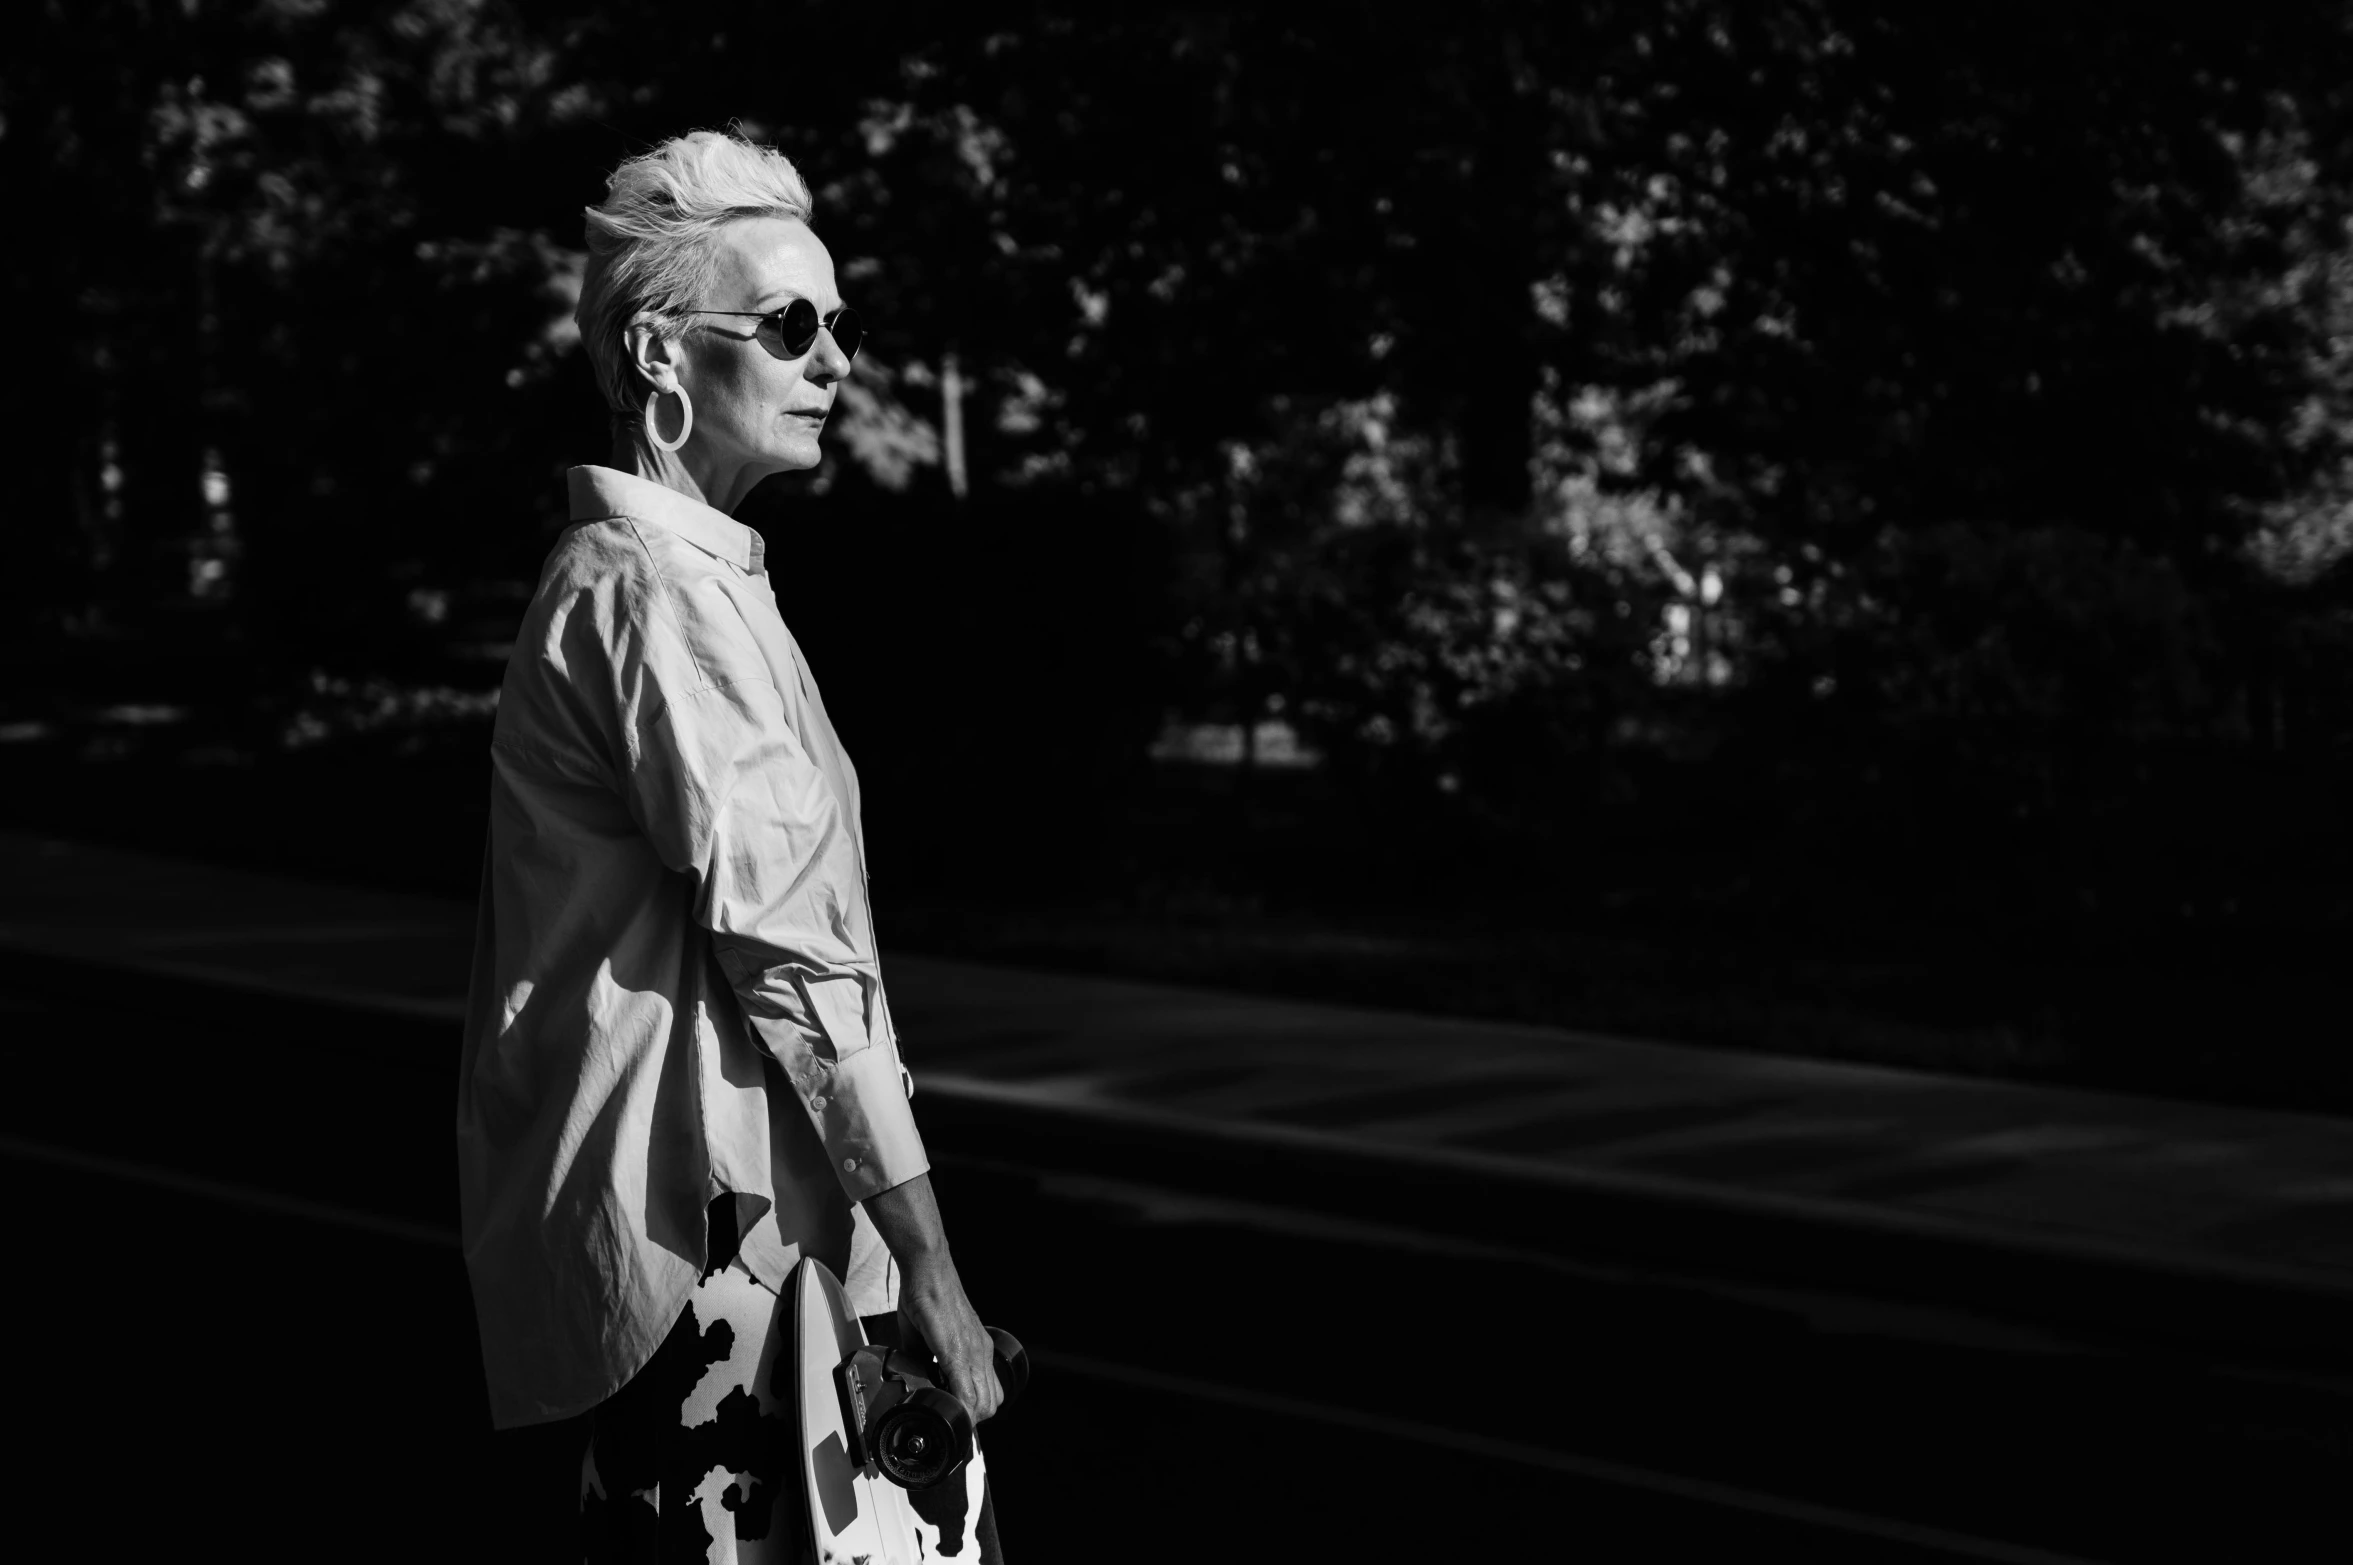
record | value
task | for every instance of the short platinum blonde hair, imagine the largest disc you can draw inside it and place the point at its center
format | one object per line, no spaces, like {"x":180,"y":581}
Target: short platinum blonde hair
{"x":650,"y":250}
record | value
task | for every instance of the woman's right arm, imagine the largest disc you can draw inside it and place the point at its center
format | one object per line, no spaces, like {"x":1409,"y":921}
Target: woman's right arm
{"x":771,"y":852}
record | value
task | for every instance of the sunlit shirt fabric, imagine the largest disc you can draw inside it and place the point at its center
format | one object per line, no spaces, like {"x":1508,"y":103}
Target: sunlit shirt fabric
{"x":676,"y":993}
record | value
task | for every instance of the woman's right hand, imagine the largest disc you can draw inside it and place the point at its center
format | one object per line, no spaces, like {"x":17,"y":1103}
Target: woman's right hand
{"x":932,"y":1303}
{"x":933,"y":1307}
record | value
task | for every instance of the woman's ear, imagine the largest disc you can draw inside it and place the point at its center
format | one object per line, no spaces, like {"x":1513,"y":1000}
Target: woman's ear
{"x":656,"y":360}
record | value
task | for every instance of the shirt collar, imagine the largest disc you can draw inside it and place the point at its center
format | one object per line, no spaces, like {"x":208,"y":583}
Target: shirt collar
{"x":603,"y":491}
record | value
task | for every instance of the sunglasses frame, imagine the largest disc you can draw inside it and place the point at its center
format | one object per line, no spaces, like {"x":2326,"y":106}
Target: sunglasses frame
{"x":781,"y":346}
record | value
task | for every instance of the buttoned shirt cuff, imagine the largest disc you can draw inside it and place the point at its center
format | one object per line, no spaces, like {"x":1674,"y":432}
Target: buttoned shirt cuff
{"x":859,"y":1106}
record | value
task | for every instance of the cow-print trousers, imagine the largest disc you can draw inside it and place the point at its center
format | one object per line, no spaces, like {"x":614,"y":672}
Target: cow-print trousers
{"x":693,"y":1459}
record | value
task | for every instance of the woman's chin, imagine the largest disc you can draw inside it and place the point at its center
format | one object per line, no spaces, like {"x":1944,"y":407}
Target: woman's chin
{"x":796,"y":453}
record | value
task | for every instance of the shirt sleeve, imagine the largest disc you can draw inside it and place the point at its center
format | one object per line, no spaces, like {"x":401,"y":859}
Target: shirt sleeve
{"x":721,"y":785}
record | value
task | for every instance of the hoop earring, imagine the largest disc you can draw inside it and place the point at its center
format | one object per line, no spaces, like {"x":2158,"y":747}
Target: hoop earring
{"x":653,"y":431}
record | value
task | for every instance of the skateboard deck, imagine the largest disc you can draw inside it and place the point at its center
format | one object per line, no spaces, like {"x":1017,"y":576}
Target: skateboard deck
{"x":856,"y":1516}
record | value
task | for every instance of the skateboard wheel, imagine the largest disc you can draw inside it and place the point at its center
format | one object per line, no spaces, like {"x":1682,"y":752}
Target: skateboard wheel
{"x":923,"y":1439}
{"x":1012,"y":1363}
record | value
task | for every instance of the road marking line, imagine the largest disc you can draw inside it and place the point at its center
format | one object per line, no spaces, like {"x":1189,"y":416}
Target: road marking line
{"x":249,"y":1196}
{"x":2333,"y":1285}
{"x":1648,"y":1479}
{"x":1624,"y":1475}
{"x":1079,"y":1097}
{"x":161,"y":964}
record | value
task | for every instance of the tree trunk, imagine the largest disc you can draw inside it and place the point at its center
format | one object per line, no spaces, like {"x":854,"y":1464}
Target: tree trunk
{"x":952,"y":423}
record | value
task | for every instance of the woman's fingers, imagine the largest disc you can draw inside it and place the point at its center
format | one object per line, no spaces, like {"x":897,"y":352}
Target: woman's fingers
{"x":970,"y":1361}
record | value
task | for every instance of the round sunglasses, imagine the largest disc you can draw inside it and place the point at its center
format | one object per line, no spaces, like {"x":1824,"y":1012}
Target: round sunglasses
{"x":792,"y":331}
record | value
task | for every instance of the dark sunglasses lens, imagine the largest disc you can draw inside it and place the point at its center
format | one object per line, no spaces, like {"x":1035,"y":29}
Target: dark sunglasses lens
{"x":796,"y":328}
{"x":848,"y":331}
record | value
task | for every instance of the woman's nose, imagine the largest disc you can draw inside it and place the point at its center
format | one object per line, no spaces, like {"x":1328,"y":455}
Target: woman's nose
{"x":828,"y":362}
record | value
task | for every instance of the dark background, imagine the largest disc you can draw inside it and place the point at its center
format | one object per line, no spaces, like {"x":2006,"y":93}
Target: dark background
{"x":1804,"y":526}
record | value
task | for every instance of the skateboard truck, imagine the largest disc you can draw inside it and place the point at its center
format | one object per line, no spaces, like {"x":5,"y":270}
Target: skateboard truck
{"x":901,"y":1421}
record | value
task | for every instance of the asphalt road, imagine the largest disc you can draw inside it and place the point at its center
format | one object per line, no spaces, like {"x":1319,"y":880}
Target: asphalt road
{"x":240,"y":1324}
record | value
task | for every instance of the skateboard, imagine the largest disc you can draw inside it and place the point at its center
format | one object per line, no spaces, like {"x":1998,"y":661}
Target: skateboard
{"x":856,"y":1514}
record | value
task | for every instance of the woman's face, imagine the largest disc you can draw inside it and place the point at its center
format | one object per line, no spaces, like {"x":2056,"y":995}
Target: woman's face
{"x":756,"y":414}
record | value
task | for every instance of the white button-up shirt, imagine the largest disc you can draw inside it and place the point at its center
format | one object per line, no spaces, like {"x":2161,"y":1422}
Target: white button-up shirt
{"x":676,"y":994}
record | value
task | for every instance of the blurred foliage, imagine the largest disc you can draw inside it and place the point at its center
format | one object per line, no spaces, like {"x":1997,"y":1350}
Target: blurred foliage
{"x":1342,"y":588}
{"x":1489,"y":390}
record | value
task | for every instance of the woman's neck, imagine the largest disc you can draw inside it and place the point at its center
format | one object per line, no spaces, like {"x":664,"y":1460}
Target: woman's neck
{"x":634,"y":453}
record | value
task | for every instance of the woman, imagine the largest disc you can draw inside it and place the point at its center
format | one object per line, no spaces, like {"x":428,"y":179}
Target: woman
{"x":680,"y":1074}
